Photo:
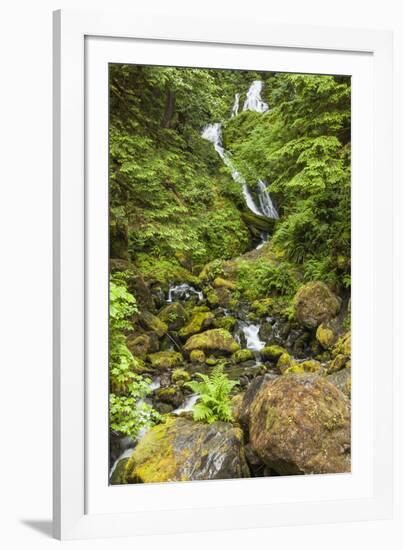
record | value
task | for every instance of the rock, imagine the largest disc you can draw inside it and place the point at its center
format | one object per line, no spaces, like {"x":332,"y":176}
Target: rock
{"x":314,"y":304}
{"x":342,"y":380}
{"x":301,"y":425}
{"x":262,"y":307}
{"x":118,"y":476}
{"x":197,"y":356}
{"x":180,"y":376}
{"x":165,"y":359}
{"x":219,"y":282}
{"x":217,"y":340}
{"x":211,"y":361}
{"x":242,"y":355}
{"x":236,"y":405}
{"x":249,"y":397}
{"x":200,"y":321}
{"x":174,"y":315}
{"x":286,"y":362}
{"x":172,"y":395}
{"x":226,"y":322}
{"x":184,"y":450}
{"x":266,"y":331}
{"x":151,"y":322}
{"x":139,"y":345}
{"x":258,"y":223}
{"x":328,"y":332}
{"x":272,"y":353}
{"x":341,"y":354}
{"x":310,"y":365}
{"x":219,"y":297}
{"x":163,"y":408}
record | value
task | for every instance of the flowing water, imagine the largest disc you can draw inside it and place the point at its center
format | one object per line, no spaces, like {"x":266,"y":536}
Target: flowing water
{"x":213,"y":134}
{"x":183,"y":292}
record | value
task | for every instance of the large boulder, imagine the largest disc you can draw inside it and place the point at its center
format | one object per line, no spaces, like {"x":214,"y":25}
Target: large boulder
{"x":314,"y":304}
{"x":184,"y":450}
{"x":300,"y":424}
{"x":218,"y":341}
{"x":151,"y":322}
{"x":174,"y":315}
{"x":200,"y":321}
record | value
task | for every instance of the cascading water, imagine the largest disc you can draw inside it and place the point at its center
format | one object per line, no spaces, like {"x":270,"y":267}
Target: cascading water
{"x":213,"y":134}
{"x":253,"y":341}
{"x":253,"y":101}
{"x":183,"y":292}
{"x":235,"y":107}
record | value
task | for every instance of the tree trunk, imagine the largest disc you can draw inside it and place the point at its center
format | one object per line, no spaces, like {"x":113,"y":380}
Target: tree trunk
{"x":169,"y":109}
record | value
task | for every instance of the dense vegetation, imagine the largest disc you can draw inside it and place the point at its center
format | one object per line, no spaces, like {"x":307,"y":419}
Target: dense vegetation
{"x":178,"y":216}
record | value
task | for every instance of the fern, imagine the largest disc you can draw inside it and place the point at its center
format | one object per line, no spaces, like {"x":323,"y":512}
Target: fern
{"x":214,"y":396}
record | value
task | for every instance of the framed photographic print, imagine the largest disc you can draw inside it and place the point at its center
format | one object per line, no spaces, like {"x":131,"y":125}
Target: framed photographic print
{"x":223,"y":297}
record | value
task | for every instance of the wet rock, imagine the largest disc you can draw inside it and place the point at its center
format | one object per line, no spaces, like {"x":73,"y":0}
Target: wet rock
{"x":180,"y":376}
{"x":266,"y":331}
{"x":272,"y":353}
{"x":173,"y":315}
{"x":139,"y":345}
{"x":242,"y":355}
{"x":197,"y":356}
{"x":315,"y":303}
{"x":301,"y":425}
{"x":217,"y":341}
{"x":165,"y":360}
{"x":152,"y":323}
{"x":219,"y":297}
{"x":172,"y":395}
{"x":184,"y":450}
{"x":118,"y":476}
{"x":201,"y":320}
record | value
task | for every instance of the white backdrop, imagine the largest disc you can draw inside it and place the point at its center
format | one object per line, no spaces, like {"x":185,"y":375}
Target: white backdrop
{"x":25,"y":218}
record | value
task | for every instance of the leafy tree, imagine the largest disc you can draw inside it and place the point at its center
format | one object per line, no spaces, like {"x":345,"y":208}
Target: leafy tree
{"x":214,"y":396}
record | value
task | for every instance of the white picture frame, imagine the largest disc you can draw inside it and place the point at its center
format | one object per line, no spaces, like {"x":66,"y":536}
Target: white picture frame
{"x":84,"y":505}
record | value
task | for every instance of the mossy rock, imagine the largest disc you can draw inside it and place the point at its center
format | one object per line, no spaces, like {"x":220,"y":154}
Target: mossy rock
{"x":342,"y":380}
{"x":118,"y":476}
{"x":216,"y":341}
{"x":197,"y":356}
{"x":174,"y":315}
{"x":212,"y":361}
{"x":236,"y":406}
{"x":151,"y":322}
{"x":226,"y":322}
{"x":300,"y":424}
{"x":272,"y":353}
{"x":200,"y":321}
{"x":338,"y":363}
{"x":242,"y":355}
{"x":181,"y":450}
{"x":343,"y":345}
{"x":220,"y":297}
{"x":165,"y":360}
{"x":219,"y":282}
{"x":328,"y":332}
{"x":315,"y":303}
{"x":180,"y":376}
{"x":263,"y":307}
{"x":285,"y":362}
{"x":310,"y":365}
{"x":139,"y":345}
{"x":171,"y":395}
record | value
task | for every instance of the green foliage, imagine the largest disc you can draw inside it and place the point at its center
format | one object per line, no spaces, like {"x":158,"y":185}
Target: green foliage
{"x":214,"y":396}
{"x":301,"y":147}
{"x":127,"y":412}
{"x":260,"y":278}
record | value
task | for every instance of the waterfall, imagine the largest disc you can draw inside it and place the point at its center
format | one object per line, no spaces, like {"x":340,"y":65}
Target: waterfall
{"x":253,"y":341}
{"x":235,"y":107}
{"x":266,"y":204}
{"x":213,"y":134}
{"x":253,"y":101}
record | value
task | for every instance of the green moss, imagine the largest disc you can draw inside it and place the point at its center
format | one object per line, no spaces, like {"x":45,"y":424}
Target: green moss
{"x":151,"y":322}
{"x":310,"y":365}
{"x":285,"y":362}
{"x":272,"y":353}
{"x":212,"y":341}
{"x":325,"y":336}
{"x":211,"y":361}
{"x":224,"y":283}
{"x":165,"y":359}
{"x":197,"y":356}
{"x":199,"y":321}
{"x":180,"y":376}
{"x":174,"y":315}
{"x":262,"y":308}
{"x":242,"y":355}
{"x":226,"y":322}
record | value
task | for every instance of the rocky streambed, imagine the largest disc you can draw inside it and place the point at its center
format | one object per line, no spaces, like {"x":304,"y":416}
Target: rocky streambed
{"x":291,"y":407}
